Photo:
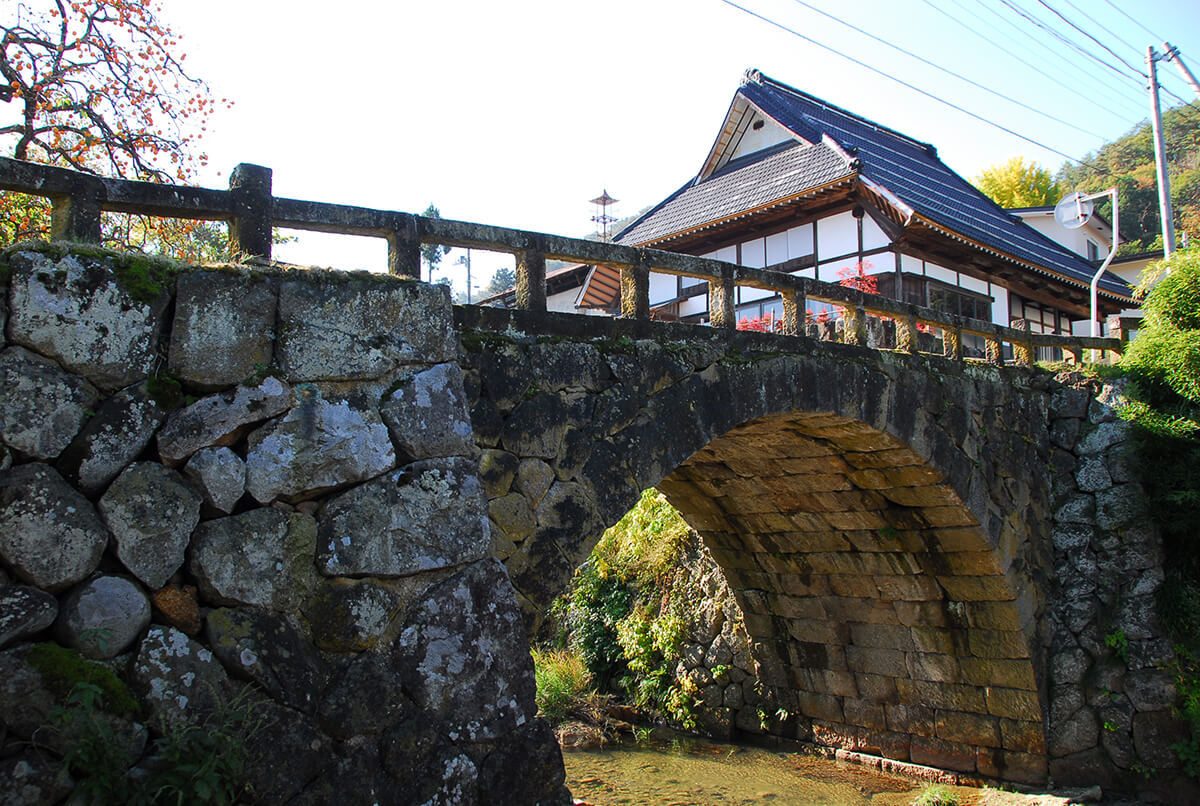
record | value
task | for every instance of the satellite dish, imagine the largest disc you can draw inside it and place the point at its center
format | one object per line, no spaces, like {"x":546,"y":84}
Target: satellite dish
{"x":1074,"y":210}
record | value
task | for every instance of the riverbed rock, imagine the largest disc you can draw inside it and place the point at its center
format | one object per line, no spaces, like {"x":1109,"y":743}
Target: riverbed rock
{"x":50,"y":535}
{"x":220,"y":420}
{"x":463,"y":655}
{"x":427,"y":414}
{"x":261,"y":558}
{"x":151,"y":512}
{"x":357,"y":327}
{"x":76,"y":311}
{"x":318,"y":446}
{"x":103,"y":616}
{"x":224,"y":328}
{"x":42,"y":408}
{"x":122,"y":428}
{"x":428,"y":515}
{"x":24,"y":611}
{"x":221,"y":476}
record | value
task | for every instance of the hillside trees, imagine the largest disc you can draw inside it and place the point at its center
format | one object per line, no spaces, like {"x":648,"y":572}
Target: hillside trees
{"x":1128,"y":163}
{"x":100,"y":87}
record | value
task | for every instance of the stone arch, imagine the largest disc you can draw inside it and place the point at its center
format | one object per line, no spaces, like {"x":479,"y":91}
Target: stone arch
{"x":889,"y":573}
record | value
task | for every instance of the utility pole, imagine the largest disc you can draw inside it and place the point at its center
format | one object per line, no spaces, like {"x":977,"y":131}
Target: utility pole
{"x":466,"y":261}
{"x":1160,"y":159}
{"x":1171,"y":54}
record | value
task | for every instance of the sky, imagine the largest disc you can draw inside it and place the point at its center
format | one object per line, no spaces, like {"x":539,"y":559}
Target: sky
{"x":518,"y":113}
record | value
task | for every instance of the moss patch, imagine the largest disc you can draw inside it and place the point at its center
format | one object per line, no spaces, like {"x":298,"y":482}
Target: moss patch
{"x":165,"y":391}
{"x":62,"y":669}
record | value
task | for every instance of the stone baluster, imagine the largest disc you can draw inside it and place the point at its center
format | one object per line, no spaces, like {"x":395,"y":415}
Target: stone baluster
{"x":855,"y":328}
{"x":635,"y":290}
{"x":531,"y":280}
{"x":1022,"y":350}
{"x":76,"y":216}
{"x":952,"y":342}
{"x":250,"y":230}
{"x":404,"y":249}
{"x":994,"y":350}
{"x":907,"y":334}
{"x":794,"y":307}
{"x":720,"y":303}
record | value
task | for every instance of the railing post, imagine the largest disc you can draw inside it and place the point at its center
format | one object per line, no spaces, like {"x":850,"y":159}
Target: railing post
{"x":635,"y":290}
{"x":1076,"y":353}
{"x":855,"y":328}
{"x":531,"y":280}
{"x":952,"y":342}
{"x":994,"y":350}
{"x":76,"y":217}
{"x":720,"y":303}
{"x":253,"y":209}
{"x":906,"y":334}
{"x":794,"y":305}
{"x":404,"y":249}
{"x":1022,"y":350}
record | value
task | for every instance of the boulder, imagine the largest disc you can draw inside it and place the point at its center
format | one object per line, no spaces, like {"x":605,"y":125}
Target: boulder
{"x":33,"y":778}
{"x":350,"y":615}
{"x":151,"y":512}
{"x":103,"y":616}
{"x":340,"y":327}
{"x":463,"y":655}
{"x":42,"y":408}
{"x":224,"y":328}
{"x":24,"y":612}
{"x":364,"y":697}
{"x":427,"y":414}
{"x":122,"y":428}
{"x":220,"y":475}
{"x":178,"y":607}
{"x":180,"y":682}
{"x":220,"y":420}
{"x":50,"y":535}
{"x":318,"y":446}
{"x":261,"y":558}
{"x":429,"y":515}
{"x":78,"y":312}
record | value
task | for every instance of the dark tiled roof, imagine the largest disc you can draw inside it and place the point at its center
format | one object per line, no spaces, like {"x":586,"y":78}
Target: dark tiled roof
{"x":744,"y":184}
{"x":912,"y":171}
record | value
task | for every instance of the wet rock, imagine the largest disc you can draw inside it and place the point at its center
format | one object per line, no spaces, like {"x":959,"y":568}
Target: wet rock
{"x":179,"y":680}
{"x":318,"y":446}
{"x":428,"y":515}
{"x":463,"y":655}
{"x":220,"y":420}
{"x":103,"y":616}
{"x":427,"y":414}
{"x":220,"y":475}
{"x":24,"y":612}
{"x":50,"y":535}
{"x":122,"y":428}
{"x":178,"y":607}
{"x":224,"y":328}
{"x":351,"y":615}
{"x":262,"y":558}
{"x":267,"y":650}
{"x":75,"y":311}
{"x":151,"y":512}
{"x":354,"y":327}
{"x":42,"y":408}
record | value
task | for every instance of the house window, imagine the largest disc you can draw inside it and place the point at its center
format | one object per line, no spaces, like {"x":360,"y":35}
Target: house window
{"x":1042,"y":318}
{"x":1093,"y":250}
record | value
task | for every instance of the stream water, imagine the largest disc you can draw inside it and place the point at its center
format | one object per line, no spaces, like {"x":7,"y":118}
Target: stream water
{"x":701,"y":772}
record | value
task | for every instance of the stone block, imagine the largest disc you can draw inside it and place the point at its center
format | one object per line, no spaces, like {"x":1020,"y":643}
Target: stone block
{"x":933,"y":752}
{"x":933,"y":639}
{"x":882,"y":636}
{"x":1154,"y":733}
{"x":1002,"y":616}
{"x":426,"y":414}
{"x":24,"y":612}
{"x":1023,"y":736}
{"x":921,"y":614}
{"x":351,"y":615}
{"x":907,"y":588}
{"x":339,"y":327}
{"x":220,"y":420}
{"x":497,"y":471}
{"x":512,"y":516}
{"x":819,"y":706}
{"x":42,"y":408}
{"x":1013,"y":703}
{"x":998,"y":643}
{"x":220,"y":475}
{"x":179,"y":680}
{"x":974,"y":729}
{"x":224,"y":328}
{"x":886,"y":662}
{"x":853,"y":585}
{"x":910,"y":718}
{"x":121,"y":429}
{"x":428,"y":515}
{"x":933,"y":667}
{"x":50,"y":535}
{"x":79,"y":312}
{"x":1016,"y":674}
{"x":103,"y":616}
{"x":864,"y":713}
{"x":977,"y":589}
{"x":151,"y":512}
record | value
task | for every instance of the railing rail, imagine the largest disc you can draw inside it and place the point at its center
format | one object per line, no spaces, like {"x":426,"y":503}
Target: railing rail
{"x":250,"y":209}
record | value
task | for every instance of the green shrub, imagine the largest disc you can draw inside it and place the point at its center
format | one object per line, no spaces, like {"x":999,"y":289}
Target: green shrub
{"x":562,"y":679}
{"x":936,"y":795}
{"x":1167,"y":348}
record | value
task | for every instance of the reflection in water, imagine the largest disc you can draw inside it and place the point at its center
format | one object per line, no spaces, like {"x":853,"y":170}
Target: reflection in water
{"x":709,"y":773}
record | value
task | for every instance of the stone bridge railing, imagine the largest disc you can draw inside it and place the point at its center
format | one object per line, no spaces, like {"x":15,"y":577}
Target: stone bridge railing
{"x":251,"y":210}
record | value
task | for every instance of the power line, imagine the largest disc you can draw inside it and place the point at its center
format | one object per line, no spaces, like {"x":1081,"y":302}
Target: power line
{"x":1063,"y":17}
{"x":1135,"y":21}
{"x":903,"y":83}
{"x":1048,"y":76}
{"x":1132,"y":100}
{"x":1102,"y":27}
{"x":1023,"y":13}
{"x":949,"y":72}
